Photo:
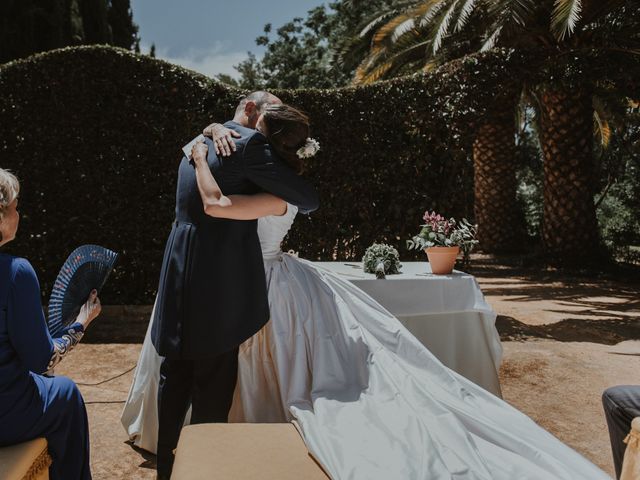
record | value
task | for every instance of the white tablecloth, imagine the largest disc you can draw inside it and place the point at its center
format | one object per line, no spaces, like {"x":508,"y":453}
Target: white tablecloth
{"x":447,"y":313}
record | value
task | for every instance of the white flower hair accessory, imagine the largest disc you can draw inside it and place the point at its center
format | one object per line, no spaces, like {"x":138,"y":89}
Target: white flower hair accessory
{"x":309,"y":149}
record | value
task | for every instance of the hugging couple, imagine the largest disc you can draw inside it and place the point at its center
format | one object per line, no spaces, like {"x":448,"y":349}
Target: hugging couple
{"x":243,"y":332}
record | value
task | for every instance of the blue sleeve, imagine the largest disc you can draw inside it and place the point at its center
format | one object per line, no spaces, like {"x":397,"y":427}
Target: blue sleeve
{"x":28,"y":331}
{"x":263,"y":168}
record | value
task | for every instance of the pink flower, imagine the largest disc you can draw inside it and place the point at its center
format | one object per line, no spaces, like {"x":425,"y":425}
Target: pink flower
{"x":437,"y":222}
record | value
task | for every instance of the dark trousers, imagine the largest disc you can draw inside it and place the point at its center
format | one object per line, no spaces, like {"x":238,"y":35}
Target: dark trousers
{"x":621,"y":406}
{"x":206,"y":384}
{"x":53,"y":408}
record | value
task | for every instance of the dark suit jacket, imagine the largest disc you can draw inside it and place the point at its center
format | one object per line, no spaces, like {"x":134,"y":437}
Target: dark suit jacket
{"x":212,"y":293}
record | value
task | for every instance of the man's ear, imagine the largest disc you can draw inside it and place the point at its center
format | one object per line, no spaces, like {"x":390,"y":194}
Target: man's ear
{"x":250,"y":108}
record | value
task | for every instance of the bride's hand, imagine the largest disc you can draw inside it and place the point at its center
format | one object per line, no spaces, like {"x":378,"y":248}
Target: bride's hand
{"x":222,"y":138}
{"x":199,"y":152}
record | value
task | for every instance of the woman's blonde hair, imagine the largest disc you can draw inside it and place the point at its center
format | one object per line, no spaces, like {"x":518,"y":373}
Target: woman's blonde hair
{"x":9,"y":189}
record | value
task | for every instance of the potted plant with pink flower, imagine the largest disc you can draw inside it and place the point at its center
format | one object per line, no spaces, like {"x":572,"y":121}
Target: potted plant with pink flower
{"x":443,"y":239}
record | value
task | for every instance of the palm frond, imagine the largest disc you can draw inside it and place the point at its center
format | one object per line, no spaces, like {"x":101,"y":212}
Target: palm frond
{"x":414,"y":10}
{"x":374,"y":75}
{"x":387,"y":29}
{"x":351,"y":50}
{"x":397,"y":61}
{"x":492,"y":39}
{"x":430,"y":66}
{"x":602,"y":129}
{"x":376,"y":22}
{"x":403,"y":28}
{"x":434,"y":8}
{"x":407,"y":54}
{"x":565,"y":17}
{"x":415,"y":53}
{"x":364,"y":67}
{"x":516,"y":11}
{"x":465,"y":14}
{"x":443,"y":27}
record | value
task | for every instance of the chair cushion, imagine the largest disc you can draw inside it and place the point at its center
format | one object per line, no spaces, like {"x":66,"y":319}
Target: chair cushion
{"x":631,"y":462}
{"x":25,"y":461}
{"x":244,"y":451}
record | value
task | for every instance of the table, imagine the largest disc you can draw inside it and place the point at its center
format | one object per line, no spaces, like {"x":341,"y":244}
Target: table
{"x":447,"y":313}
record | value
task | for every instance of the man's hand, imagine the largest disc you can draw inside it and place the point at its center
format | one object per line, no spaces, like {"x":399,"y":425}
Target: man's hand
{"x":222,"y":138}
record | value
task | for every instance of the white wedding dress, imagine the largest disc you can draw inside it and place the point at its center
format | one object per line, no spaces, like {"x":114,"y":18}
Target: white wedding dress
{"x":370,"y":400}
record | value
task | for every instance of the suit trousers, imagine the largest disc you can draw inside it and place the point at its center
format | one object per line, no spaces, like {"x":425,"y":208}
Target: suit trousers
{"x":207,"y":384}
{"x":621,"y":406}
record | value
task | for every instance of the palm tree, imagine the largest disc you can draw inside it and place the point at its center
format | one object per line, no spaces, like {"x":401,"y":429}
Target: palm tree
{"x":568,"y":39}
{"x":401,"y":42}
{"x":499,"y":219}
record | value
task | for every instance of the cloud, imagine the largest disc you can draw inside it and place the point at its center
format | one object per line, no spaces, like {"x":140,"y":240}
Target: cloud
{"x":209,"y":61}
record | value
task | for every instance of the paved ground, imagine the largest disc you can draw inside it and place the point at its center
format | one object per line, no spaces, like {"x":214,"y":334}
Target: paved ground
{"x":565,"y":338}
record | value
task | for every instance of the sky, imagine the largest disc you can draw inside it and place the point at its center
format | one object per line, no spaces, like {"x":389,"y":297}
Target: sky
{"x":210,"y":36}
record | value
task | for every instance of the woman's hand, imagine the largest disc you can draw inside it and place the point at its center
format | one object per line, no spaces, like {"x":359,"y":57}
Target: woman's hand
{"x":199,"y":152}
{"x":222,"y":138}
{"x":90,"y":310}
{"x":210,"y":191}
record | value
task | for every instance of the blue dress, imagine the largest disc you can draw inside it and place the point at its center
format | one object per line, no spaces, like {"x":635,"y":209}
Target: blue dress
{"x":33,"y":405}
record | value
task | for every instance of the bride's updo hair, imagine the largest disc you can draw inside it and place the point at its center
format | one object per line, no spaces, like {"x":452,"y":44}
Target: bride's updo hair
{"x":287,"y":130}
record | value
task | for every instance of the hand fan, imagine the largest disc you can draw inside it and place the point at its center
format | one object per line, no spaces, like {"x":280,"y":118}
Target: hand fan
{"x":87,"y":268}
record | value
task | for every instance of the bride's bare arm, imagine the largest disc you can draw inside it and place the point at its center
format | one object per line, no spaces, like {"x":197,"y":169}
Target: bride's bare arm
{"x":249,"y":207}
{"x":235,"y":207}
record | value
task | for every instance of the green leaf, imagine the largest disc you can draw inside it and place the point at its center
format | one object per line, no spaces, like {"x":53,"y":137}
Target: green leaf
{"x":565,"y":17}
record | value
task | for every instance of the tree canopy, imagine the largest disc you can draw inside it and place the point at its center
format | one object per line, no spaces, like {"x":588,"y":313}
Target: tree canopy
{"x":305,"y":52}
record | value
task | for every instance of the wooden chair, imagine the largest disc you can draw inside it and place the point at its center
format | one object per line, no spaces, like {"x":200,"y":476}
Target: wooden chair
{"x":246,"y":451}
{"x":25,"y":461}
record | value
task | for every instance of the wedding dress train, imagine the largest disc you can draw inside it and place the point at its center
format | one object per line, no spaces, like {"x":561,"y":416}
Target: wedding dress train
{"x":371,"y":401}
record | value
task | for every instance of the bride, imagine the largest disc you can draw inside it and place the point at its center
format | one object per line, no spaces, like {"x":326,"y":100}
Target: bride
{"x":371,"y":401}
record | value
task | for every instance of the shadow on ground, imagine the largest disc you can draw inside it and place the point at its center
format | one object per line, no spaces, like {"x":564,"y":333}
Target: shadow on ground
{"x":149,"y":458}
{"x":607,"y":332}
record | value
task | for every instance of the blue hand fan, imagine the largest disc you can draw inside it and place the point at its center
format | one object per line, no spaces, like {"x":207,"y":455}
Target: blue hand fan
{"x":87,"y":268}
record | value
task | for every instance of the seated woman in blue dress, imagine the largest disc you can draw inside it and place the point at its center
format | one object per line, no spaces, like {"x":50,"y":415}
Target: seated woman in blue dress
{"x":33,"y":405}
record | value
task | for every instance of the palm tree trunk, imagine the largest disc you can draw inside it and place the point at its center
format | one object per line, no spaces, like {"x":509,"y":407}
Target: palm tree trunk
{"x":499,"y":219}
{"x":570,"y":229}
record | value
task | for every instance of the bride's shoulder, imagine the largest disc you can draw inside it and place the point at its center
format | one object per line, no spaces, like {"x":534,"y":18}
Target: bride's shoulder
{"x":286,"y":218}
{"x":292,"y":210}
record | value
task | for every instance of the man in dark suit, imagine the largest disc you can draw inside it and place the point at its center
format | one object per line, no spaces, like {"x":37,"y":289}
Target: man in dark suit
{"x":212,"y":292}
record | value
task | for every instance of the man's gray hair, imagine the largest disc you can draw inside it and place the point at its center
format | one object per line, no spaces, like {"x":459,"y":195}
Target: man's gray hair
{"x":9,"y":190}
{"x":259,"y":97}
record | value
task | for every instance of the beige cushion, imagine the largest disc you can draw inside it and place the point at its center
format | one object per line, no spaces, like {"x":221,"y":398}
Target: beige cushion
{"x":631,"y":463}
{"x":243,"y":451}
{"x":25,"y":461}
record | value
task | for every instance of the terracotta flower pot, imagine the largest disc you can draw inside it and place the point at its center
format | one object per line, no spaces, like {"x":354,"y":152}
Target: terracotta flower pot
{"x":442,"y":259}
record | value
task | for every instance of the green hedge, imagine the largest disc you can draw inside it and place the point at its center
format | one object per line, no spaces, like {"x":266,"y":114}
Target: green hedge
{"x":94,"y":133}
